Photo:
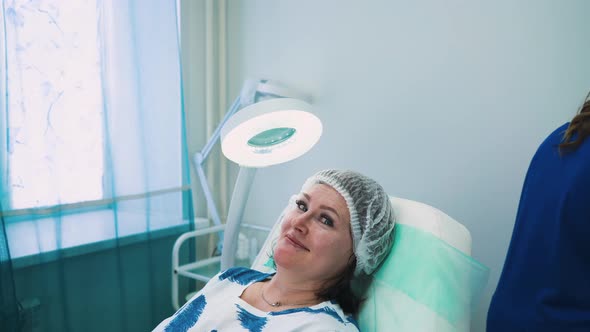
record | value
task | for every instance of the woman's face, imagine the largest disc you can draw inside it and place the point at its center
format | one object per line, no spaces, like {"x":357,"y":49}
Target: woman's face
{"x":315,"y":239}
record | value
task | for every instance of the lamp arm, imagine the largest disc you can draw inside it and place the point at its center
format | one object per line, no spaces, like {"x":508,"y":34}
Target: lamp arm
{"x":213,"y":139}
{"x":275,"y":90}
{"x":198,"y":161}
{"x":234,"y":218}
{"x":206,"y":191}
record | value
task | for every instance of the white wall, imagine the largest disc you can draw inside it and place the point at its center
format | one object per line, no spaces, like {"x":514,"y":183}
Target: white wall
{"x":442,"y":102}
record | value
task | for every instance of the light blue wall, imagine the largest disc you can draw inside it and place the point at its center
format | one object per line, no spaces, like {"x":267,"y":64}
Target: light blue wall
{"x":443,"y":102}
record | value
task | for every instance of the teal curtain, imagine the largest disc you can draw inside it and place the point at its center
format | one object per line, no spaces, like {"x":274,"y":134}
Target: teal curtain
{"x":94,"y":168}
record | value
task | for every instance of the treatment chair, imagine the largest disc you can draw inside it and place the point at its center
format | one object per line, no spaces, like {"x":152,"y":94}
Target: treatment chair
{"x":428,"y":282}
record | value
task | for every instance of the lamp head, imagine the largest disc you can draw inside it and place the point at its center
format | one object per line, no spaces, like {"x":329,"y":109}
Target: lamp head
{"x":270,"y":132}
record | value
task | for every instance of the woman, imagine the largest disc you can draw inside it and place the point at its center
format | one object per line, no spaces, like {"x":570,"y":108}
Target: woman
{"x":337,"y":228}
{"x":545,"y":283}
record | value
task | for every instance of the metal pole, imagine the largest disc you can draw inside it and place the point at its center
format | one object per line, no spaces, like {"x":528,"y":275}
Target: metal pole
{"x":234,"y":218}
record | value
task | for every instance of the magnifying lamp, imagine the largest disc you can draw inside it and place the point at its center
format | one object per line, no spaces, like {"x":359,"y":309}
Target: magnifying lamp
{"x":274,"y":127}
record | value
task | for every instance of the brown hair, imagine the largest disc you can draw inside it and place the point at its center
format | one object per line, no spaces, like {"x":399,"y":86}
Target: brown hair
{"x":579,"y":125}
{"x":340,"y":290}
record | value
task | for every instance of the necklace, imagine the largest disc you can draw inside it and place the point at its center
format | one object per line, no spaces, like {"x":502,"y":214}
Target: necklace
{"x":272,"y":304}
{"x":278,"y":303}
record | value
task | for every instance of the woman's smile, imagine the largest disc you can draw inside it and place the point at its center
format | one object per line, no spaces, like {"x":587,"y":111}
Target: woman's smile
{"x":294,"y":242}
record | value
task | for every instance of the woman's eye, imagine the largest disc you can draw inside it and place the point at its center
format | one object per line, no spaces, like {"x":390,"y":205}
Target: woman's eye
{"x":301,"y":205}
{"x":327,"y":221}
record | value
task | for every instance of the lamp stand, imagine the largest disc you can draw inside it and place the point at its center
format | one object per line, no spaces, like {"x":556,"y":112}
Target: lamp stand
{"x":234,"y":217}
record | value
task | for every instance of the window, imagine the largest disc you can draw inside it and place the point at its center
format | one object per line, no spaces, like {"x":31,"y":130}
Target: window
{"x":94,"y":125}
{"x":54,"y":103}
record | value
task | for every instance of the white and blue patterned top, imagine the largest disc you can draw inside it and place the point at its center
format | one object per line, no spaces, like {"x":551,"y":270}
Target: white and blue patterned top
{"x":218,"y":307}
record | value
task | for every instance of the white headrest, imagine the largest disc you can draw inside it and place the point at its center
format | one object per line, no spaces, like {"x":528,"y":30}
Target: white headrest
{"x":432,"y":220}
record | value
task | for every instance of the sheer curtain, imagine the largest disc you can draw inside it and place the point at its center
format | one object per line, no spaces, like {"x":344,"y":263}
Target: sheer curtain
{"x":95,"y":183}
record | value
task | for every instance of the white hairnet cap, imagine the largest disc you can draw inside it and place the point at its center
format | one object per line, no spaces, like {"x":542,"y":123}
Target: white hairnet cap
{"x":371,"y":215}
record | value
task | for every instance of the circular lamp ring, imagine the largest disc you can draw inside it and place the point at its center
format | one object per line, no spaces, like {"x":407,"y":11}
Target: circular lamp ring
{"x":270,"y":132}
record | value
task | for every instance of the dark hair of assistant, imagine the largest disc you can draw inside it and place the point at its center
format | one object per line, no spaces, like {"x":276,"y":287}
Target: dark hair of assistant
{"x":578,"y":129}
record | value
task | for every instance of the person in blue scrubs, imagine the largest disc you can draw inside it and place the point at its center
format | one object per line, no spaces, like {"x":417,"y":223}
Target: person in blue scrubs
{"x":545,"y":282}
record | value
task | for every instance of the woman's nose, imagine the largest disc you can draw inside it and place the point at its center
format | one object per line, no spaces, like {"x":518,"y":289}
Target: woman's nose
{"x":301,"y":222}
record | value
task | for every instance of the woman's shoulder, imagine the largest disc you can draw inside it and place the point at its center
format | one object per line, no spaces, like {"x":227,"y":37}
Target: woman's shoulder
{"x":242,"y":275}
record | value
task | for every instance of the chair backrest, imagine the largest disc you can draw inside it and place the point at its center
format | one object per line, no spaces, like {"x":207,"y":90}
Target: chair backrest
{"x":433,"y":221}
{"x":428,"y":282}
